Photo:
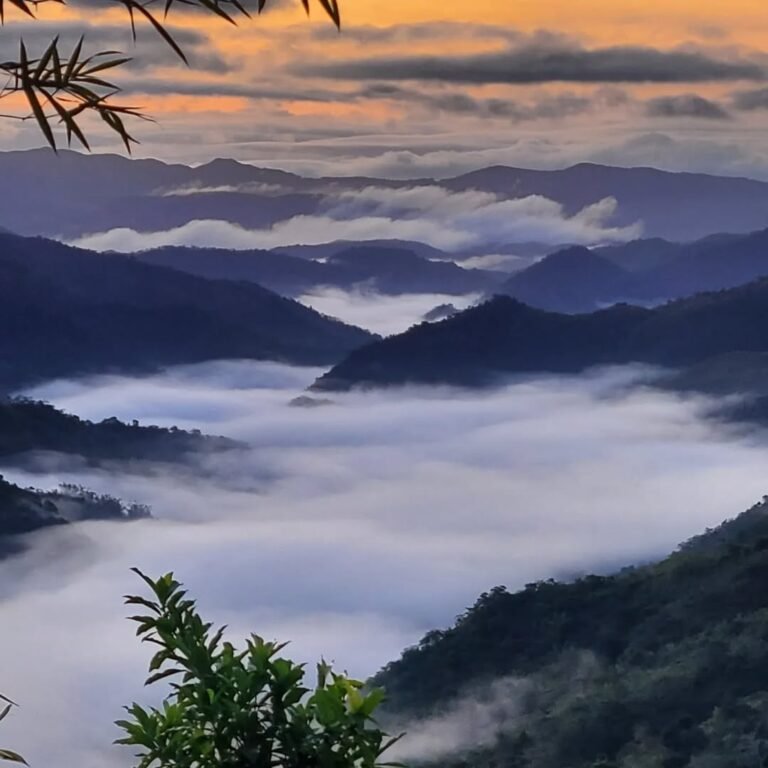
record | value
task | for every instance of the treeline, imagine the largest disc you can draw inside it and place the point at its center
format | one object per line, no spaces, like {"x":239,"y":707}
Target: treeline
{"x":26,"y":510}
{"x":31,"y":425}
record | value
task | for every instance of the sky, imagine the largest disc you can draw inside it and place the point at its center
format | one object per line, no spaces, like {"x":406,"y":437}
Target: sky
{"x":419,"y":88}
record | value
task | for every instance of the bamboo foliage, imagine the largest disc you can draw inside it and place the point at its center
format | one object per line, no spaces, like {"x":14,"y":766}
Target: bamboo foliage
{"x":59,"y":87}
{"x":6,"y":755}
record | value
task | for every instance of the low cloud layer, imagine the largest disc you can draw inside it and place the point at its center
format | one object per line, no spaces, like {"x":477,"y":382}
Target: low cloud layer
{"x":433,"y":215}
{"x":350,"y":529}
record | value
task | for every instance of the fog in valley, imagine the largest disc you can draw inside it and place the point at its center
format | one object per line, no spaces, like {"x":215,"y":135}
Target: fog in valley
{"x":350,"y":529}
{"x":385,"y":315}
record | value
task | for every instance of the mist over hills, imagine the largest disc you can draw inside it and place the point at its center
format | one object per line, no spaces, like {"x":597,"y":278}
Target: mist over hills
{"x":30,"y":426}
{"x":76,"y":195}
{"x":26,"y":510}
{"x":67,"y":311}
{"x":385,"y":270}
{"x":643,"y":271}
{"x":661,"y":665}
{"x":504,"y":336}
{"x":674,"y":206}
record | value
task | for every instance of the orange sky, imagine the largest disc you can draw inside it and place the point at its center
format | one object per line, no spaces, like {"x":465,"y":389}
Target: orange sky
{"x":254,"y":91}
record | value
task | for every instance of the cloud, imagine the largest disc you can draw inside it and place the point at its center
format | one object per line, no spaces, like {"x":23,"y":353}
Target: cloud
{"x":548,"y":107}
{"x":384,"y":315}
{"x":429,"y":214}
{"x":547,"y":59}
{"x":147,"y":51}
{"x":686,"y":105}
{"x":479,"y":716}
{"x":751,"y":100}
{"x":350,"y":529}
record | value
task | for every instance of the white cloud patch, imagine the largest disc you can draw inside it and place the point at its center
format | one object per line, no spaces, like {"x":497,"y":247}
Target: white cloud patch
{"x":381,"y":314}
{"x":434,"y":215}
{"x":351,"y":529}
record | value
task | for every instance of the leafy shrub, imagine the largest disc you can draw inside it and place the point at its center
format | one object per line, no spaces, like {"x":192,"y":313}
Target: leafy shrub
{"x":242,"y":709}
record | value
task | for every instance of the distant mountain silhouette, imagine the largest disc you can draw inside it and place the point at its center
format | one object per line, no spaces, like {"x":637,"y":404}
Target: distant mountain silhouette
{"x":440,"y":312}
{"x":327,"y":250}
{"x":716,"y":262}
{"x":572,"y":280}
{"x":504,"y":336}
{"x":675,"y":206}
{"x":640,"y":255}
{"x":644,"y":272}
{"x":76,"y":194}
{"x":387,"y":270}
{"x":67,"y":311}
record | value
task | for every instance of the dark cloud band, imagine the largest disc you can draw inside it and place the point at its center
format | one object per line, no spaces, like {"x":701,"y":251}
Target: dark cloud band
{"x":545,"y":63}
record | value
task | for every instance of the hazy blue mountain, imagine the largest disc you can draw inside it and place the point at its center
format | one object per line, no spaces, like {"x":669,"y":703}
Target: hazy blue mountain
{"x":644,"y":271}
{"x":572,"y":280}
{"x":327,"y":250}
{"x":440,"y":312}
{"x":67,"y":311}
{"x":716,"y":262}
{"x":640,"y":255}
{"x":675,"y":206}
{"x":75,"y":194}
{"x":386,"y":270}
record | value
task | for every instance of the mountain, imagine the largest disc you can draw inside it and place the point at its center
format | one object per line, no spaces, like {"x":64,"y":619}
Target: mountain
{"x":644,"y":271}
{"x":640,"y":255}
{"x":674,"y":206}
{"x":440,"y":312}
{"x":74,"y":190}
{"x":282,"y":273}
{"x":66,"y":311}
{"x":661,"y":665}
{"x":397,"y":270}
{"x":571,"y":280}
{"x":327,"y":250}
{"x":504,"y":336}
{"x":386,"y":270}
{"x":76,"y":194}
{"x":716,"y":262}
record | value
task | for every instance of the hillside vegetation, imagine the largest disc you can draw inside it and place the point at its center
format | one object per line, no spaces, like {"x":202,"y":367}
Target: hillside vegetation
{"x":66,"y":311}
{"x":663,"y":666}
{"x":504,"y":336}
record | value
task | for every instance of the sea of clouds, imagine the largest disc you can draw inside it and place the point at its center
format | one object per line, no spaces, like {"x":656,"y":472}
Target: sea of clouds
{"x":350,"y":529}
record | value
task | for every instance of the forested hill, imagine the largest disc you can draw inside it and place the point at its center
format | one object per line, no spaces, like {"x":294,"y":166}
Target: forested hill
{"x":26,"y":510}
{"x":31,"y":426}
{"x":663,"y":666}
{"x":66,"y":311}
{"x":505,"y":336}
